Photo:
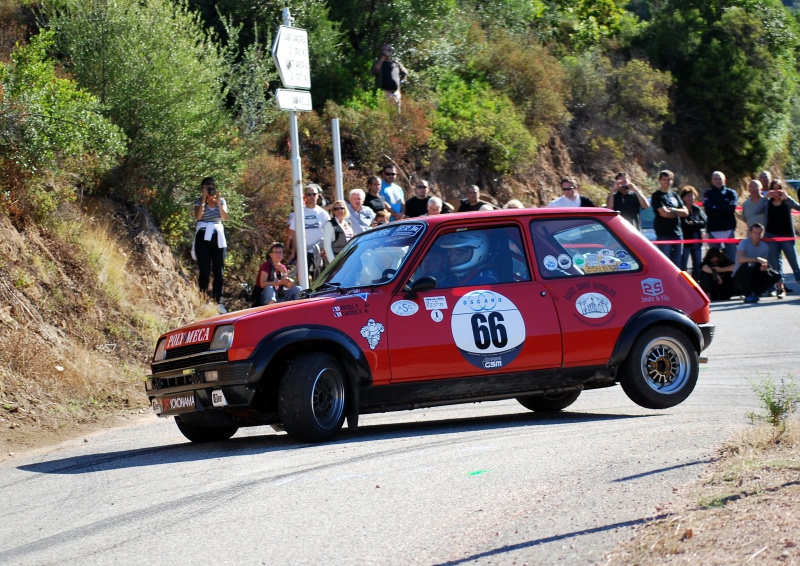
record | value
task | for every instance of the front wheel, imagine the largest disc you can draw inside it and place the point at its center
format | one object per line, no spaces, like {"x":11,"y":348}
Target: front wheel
{"x":311,"y":397}
{"x":549,"y":403}
{"x":204,"y":433}
{"x":661,"y":369}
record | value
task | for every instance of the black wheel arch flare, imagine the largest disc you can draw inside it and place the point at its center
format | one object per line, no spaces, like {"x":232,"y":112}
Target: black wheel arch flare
{"x":650,"y":317}
{"x":275,"y":349}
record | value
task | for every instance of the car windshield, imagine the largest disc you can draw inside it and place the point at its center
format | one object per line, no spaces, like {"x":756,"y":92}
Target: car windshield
{"x":372,"y":258}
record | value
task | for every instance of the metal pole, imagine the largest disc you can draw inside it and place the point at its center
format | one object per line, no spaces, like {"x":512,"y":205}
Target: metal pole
{"x":297,"y":199}
{"x":337,"y":158}
{"x":297,"y":190}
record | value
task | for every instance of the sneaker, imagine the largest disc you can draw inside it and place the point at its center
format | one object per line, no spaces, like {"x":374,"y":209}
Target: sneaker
{"x":221,"y":308}
{"x":780,"y":294}
{"x":751,"y":298}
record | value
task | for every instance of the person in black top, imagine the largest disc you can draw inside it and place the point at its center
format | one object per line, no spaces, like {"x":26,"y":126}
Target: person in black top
{"x":373,"y":200}
{"x":669,"y":208}
{"x":716,"y":275}
{"x":692,"y":227}
{"x":777,"y":209}
{"x":389,"y":74}
{"x":626,"y":199}
{"x":418,"y":204}
{"x":473,"y":201}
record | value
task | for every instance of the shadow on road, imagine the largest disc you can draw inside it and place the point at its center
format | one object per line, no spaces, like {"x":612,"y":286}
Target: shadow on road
{"x":188,"y":452}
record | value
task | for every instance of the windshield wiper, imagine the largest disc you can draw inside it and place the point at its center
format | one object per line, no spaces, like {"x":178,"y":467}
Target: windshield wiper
{"x":324,"y":287}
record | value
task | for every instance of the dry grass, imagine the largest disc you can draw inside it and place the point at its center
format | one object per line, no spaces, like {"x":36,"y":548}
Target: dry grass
{"x":82,"y":306}
{"x":746,"y":510}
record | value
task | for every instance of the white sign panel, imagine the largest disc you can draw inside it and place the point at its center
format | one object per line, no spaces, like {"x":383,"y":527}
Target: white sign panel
{"x":298,"y":100}
{"x":290,"y":53}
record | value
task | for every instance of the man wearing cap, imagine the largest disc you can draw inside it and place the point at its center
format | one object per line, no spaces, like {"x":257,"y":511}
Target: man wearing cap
{"x":626,"y":199}
{"x":314,"y":217}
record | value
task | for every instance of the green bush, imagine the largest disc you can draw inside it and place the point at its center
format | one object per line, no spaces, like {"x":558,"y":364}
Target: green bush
{"x":53,"y":135}
{"x":778,"y":402}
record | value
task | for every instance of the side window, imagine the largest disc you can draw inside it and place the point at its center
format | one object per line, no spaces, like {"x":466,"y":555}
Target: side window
{"x":475,"y":257}
{"x":575,"y":247}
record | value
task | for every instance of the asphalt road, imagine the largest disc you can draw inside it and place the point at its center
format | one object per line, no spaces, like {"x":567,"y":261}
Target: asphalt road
{"x":484,"y":483}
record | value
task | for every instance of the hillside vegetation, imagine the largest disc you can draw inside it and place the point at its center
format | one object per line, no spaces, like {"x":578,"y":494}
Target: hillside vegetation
{"x":111,"y":113}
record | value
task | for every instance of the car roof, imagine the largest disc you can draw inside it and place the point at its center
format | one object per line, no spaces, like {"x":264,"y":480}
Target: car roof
{"x":531,"y":213}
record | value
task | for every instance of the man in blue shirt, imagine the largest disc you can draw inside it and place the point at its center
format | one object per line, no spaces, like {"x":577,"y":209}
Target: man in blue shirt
{"x":392,"y":193}
{"x":720,"y":203}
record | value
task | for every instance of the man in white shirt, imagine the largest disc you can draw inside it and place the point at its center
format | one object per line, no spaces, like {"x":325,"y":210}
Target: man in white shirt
{"x":361,"y":217}
{"x":314,"y":217}
{"x":570,"y":196}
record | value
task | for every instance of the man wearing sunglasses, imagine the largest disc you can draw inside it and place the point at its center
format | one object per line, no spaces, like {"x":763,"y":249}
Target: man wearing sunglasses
{"x":314,"y":219}
{"x":418,"y":204}
{"x":569,"y":196}
{"x":392,"y":193}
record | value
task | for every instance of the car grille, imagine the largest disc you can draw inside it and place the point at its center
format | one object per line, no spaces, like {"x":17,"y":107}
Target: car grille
{"x":190,"y":362}
{"x":226,"y":374}
{"x":189,"y":350}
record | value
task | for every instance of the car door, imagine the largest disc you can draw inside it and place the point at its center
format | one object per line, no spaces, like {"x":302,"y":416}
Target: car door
{"x":595,"y":280}
{"x":485,"y":314}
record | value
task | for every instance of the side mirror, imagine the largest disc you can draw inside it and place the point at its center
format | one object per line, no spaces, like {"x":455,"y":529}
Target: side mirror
{"x":422,"y":284}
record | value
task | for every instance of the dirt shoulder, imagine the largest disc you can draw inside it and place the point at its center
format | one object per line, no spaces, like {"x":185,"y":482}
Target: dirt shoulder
{"x":744,"y":510}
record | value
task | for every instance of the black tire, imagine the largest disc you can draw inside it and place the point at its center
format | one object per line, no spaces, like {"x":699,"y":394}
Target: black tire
{"x":549,"y":403}
{"x":312,"y":398}
{"x":205,"y":433}
{"x":661,"y":369}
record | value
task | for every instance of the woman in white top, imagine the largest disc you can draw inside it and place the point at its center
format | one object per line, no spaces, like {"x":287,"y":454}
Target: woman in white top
{"x":338,"y":230}
{"x":209,"y":247}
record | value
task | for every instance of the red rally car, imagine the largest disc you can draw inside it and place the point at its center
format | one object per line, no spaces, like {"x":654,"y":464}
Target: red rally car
{"x":536,"y":305}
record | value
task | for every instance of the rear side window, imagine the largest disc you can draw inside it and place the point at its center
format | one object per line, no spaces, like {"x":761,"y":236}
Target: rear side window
{"x":575,"y":247}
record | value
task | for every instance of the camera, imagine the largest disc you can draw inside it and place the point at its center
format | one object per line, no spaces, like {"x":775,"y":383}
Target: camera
{"x":212,"y":191}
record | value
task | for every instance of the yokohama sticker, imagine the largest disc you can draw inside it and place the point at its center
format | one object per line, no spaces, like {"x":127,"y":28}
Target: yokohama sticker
{"x":488,"y":329}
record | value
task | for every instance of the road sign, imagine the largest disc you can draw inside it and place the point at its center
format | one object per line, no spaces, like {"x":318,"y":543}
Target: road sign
{"x":290,"y":53}
{"x":297,"y":100}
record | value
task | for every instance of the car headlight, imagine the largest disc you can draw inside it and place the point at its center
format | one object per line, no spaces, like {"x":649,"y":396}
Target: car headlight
{"x":223,"y":338}
{"x":161,"y":350}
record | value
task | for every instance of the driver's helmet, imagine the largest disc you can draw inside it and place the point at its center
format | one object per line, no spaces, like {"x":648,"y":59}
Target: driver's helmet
{"x":466,"y":250}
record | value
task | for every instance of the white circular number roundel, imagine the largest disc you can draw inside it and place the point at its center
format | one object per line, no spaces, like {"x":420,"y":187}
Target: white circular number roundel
{"x":488,"y":329}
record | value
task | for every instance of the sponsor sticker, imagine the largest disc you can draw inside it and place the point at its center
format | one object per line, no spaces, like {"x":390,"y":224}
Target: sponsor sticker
{"x":578,"y":261}
{"x":437,"y":316}
{"x":593,"y":305}
{"x":564,"y":261}
{"x":653,"y":290}
{"x":348,"y":309}
{"x":432,"y":303}
{"x":624,"y":266}
{"x":178,"y":404}
{"x":550,"y":263}
{"x":189,"y":337}
{"x":407,"y":230}
{"x":218,"y":398}
{"x":404,"y":308}
{"x":372,"y":331}
{"x":488,"y":329}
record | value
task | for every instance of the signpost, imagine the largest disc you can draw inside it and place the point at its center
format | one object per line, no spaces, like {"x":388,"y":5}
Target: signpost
{"x":290,"y":54}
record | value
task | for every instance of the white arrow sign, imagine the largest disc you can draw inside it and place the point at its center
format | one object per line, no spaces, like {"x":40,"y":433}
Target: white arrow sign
{"x":290,"y":53}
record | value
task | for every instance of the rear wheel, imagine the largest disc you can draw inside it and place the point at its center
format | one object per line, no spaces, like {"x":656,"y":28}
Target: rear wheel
{"x":661,"y":369}
{"x":311,"y":397}
{"x":549,"y":403}
{"x":204,"y":433}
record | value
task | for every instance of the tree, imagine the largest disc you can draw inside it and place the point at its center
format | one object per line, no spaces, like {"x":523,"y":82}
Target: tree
{"x":734,"y":64}
{"x":52,"y":133}
{"x":160,"y":76}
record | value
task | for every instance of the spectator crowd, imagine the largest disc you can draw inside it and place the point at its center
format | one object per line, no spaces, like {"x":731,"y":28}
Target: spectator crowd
{"x":696,"y":232}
